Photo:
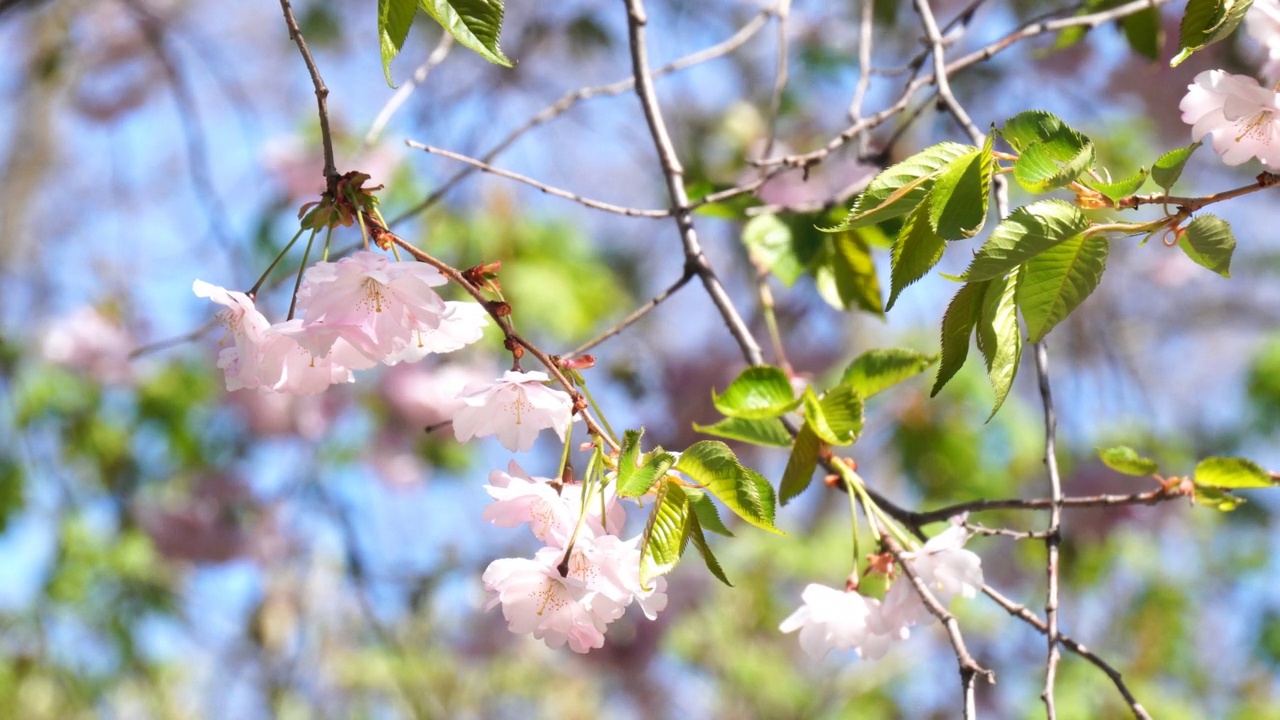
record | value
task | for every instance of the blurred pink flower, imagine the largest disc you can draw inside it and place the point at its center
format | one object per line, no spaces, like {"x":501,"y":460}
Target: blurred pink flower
{"x":88,"y":342}
{"x":423,"y":398}
{"x":297,"y":166}
{"x":840,"y":620}
{"x":272,"y":414}
{"x":515,"y":408}
{"x":1262,"y":23}
{"x":1241,"y":116}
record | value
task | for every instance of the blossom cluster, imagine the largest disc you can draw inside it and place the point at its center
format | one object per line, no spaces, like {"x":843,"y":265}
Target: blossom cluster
{"x":584,"y":577}
{"x":847,"y":620}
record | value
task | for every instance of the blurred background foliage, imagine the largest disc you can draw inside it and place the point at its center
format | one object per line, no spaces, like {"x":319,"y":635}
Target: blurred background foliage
{"x":169,"y":550}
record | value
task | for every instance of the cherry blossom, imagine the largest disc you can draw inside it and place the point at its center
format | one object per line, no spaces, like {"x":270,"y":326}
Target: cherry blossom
{"x":424,"y":397}
{"x":246,"y":326}
{"x":552,"y":514}
{"x":1262,"y":23}
{"x":461,"y":323}
{"x":515,"y":408}
{"x":89,"y":342}
{"x":841,"y":620}
{"x":389,"y":304}
{"x":1241,"y":116}
{"x":536,"y":599}
{"x":286,"y":364}
{"x":945,"y":568}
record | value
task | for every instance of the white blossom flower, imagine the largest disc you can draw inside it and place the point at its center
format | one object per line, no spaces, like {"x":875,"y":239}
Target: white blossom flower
{"x":552,"y":515}
{"x":246,"y":326}
{"x":838,"y":619}
{"x":88,"y":341}
{"x":390,"y":303}
{"x":515,"y":408}
{"x":1241,"y":116}
{"x":285,"y":364}
{"x":536,"y":599}
{"x":461,"y":323}
{"x":945,"y":568}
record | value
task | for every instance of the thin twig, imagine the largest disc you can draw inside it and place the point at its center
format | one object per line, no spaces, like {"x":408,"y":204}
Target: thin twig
{"x":779,"y":78}
{"x":674,"y":174}
{"x":322,"y":96}
{"x":1021,"y":612}
{"x":639,"y":312}
{"x":167,"y":343}
{"x":402,"y":93}
{"x":934,"y":36}
{"x":548,"y":189}
{"x":568,"y":101}
{"x":969,"y":668}
{"x":980,"y":529}
{"x":1153,"y":497}
{"x":866,"y":26}
{"x":1053,"y":539}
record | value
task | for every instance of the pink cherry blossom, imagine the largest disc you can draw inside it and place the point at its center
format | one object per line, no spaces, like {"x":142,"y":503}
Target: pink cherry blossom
{"x":536,"y":599}
{"x":89,"y":342}
{"x":461,"y":324}
{"x":1241,"y":116}
{"x":246,"y":326}
{"x":285,"y":364}
{"x":945,"y":568}
{"x":389,"y":303}
{"x":515,"y":408}
{"x":1262,"y":23}
{"x":840,"y":620}
{"x":424,"y":397}
{"x":552,"y":514}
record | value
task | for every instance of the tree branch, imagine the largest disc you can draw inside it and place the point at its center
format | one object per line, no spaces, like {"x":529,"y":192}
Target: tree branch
{"x":322,"y":95}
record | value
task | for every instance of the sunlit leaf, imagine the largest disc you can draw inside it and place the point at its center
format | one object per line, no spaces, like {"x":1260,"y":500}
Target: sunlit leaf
{"x":1209,"y":242}
{"x":1056,"y":281}
{"x":771,"y":245}
{"x":1126,"y":460}
{"x":957,"y":328}
{"x":713,"y":465}
{"x":915,"y":252}
{"x":761,"y":391}
{"x":665,"y":533}
{"x":1231,"y":472}
{"x":999,"y":337}
{"x":1027,"y":231}
{"x":901,"y":187}
{"x":394,"y":19}
{"x":881,"y":369}
{"x":958,"y":206}
{"x":800,"y":466}
{"x":1166,"y":171}
{"x":700,"y":543}
{"x":475,"y":24}
{"x":1205,"y":23}
{"x":766,"y":431}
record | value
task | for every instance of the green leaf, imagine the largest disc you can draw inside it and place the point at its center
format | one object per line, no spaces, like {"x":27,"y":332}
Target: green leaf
{"x":629,"y":455}
{"x":665,"y":533}
{"x":957,"y":327}
{"x":713,"y":465}
{"x":881,"y":369}
{"x":700,"y":542}
{"x":1126,"y":460}
{"x":1027,"y":231}
{"x":801,"y":464}
{"x":1113,"y":191}
{"x":836,"y":418}
{"x":902,"y":186}
{"x":1168,"y":168}
{"x":1217,"y":499}
{"x":394,"y":19}
{"x":1056,"y":281}
{"x":1053,"y":161}
{"x":768,"y":431}
{"x":771,"y":246}
{"x":655,"y":466}
{"x":1231,"y":472}
{"x":846,"y":275}
{"x":999,"y":337}
{"x":1209,"y":242}
{"x":475,"y":24}
{"x":1030,"y":127}
{"x":1205,"y":23}
{"x":705,"y":510}
{"x":915,"y":252}
{"x":761,"y":391}
{"x":958,"y":207}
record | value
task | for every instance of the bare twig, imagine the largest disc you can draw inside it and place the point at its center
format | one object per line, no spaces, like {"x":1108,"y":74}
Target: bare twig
{"x":779,"y":79}
{"x":588,"y":202}
{"x":568,"y":101}
{"x":402,"y":94}
{"x":1021,"y":612}
{"x":969,"y":668}
{"x":1153,"y":497}
{"x":167,"y":343}
{"x":1053,"y":538}
{"x":934,"y":36}
{"x":674,"y":174}
{"x":980,"y":529}
{"x":322,"y":96}
{"x":638,"y":313}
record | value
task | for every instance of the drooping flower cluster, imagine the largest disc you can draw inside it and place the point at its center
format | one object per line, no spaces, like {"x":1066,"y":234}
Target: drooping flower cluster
{"x":355,"y":313}
{"x":585,"y":576}
{"x":1241,"y":117}
{"x":846,"y":620}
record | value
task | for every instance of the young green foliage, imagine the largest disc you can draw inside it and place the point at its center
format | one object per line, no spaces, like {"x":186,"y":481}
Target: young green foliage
{"x":769,"y":432}
{"x":1053,"y":161}
{"x":1166,"y":171}
{"x":1209,"y":242}
{"x":1220,"y":500}
{"x":836,"y":417}
{"x":918,"y":248}
{"x":1027,"y":231}
{"x":759,"y":392}
{"x":700,"y":543}
{"x":957,"y":328}
{"x":801,"y":464}
{"x":1205,"y":23}
{"x":771,"y":245}
{"x":999,"y":337}
{"x":901,"y":187}
{"x":845,"y":273}
{"x":958,"y":207}
{"x":1126,"y":460}
{"x":637,"y":472}
{"x":713,"y":465}
{"x":1231,"y":473}
{"x":665,"y":533}
{"x":1113,"y":191}
{"x":1056,"y":281}
{"x":881,"y":369}
{"x":475,"y":24}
